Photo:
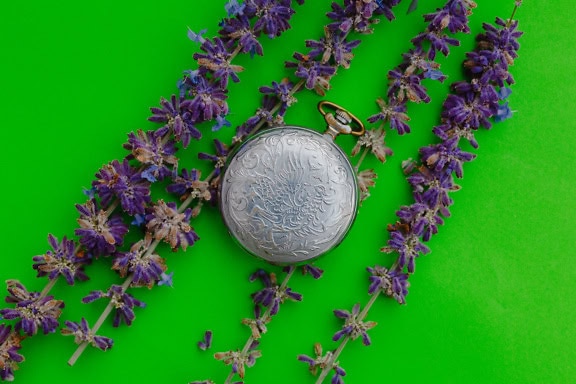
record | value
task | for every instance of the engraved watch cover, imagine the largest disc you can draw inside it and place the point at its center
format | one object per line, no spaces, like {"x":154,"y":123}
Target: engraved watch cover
{"x":289,"y":195}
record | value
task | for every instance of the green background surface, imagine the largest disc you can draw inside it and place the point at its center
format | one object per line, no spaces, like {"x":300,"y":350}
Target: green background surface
{"x":493,"y":302}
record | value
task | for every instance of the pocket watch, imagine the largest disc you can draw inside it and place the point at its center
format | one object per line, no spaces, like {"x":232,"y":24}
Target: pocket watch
{"x":289,"y":194}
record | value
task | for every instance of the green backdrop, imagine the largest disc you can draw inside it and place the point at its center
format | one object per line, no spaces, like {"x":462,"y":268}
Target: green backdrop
{"x":492,"y":303}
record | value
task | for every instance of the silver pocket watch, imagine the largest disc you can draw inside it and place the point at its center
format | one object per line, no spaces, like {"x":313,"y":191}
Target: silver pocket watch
{"x":289,"y":194}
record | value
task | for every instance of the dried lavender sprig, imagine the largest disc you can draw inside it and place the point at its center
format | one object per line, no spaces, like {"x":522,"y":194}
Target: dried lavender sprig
{"x":419,"y":64}
{"x":207,"y":85}
{"x":35,"y":310}
{"x":502,"y":42}
{"x":334,"y":50}
{"x":271,"y":297}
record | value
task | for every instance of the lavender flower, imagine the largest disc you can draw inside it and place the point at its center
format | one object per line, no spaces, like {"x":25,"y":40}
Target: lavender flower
{"x":424,"y":219}
{"x":477,"y":66}
{"x":395,"y":113}
{"x":257,"y":325}
{"x":63,"y":260}
{"x":31,"y":310}
{"x":312,"y":270}
{"x":153,"y":150}
{"x":219,"y":159}
{"x":206,"y":341}
{"x":468,"y":110}
{"x":392,"y":282}
{"x":373,"y":139}
{"x":272,"y":295}
{"x":316,"y":75}
{"x":503,"y":39}
{"x":208,"y":100}
{"x":446,"y":157}
{"x":239,"y":359}
{"x":272,"y":16}
{"x":166,"y":223}
{"x":354,"y":326}
{"x":366,"y":180}
{"x":146,"y":267}
{"x":177,"y":116}
{"x":282,"y":92}
{"x":408,"y":246}
{"x":233,"y":8}
{"x":124,"y":182}
{"x":189,"y":185}
{"x":197,"y":37}
{"x":432,"y":188}
{"x":123,"y":302}
{"x":454,"y":16}
{"x":83,"y":334}
{"x":451,"y":129}
{"x":406,"y":86}
{"x":339,"y":373}
{"x":333,"y":46}
{"x":217,"y":61}
{"x":99,"y":234}
{"x":358,"y":15}
{"x":321,"y":361}
{"x":504,"y":112}
{"x":220,"y":123}
{"x":239,"y":30}
{"x":166,"y":279}
{"x":9,"y":355}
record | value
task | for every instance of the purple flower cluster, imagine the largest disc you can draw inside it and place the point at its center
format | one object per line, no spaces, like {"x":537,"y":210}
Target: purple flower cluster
{"x":176,"y":116}
{"x":125,"y":183}
{"x":61,"y":261}
{"x":358,"y":16}
{"x":165,"y":223}
{"x":154,"y":151}
{"x":82,"y":334}
{"x":123,"y":302}
{"x":206,"y":341}
{"x":273,"y":294}
{"x":99,"y":233}
{"x":354,"y":325}
{"x":470,"y":107}
{"x":322,"y":361}
{"x":188,"y":185}
{"x":239,"y":360}
{"x":146,"y":267}
{"x":9,"y":355}
{"x":32,"y":310}
{"x":393,"y":283}
{"x":418,"y":63}
{"x":219,"y":159}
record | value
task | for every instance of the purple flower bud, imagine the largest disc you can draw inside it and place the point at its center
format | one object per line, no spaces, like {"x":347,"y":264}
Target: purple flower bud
{"x":31,"y":311}
{"x":81,"y":332}
{"x":61,"y":261}
{"x":99,"y":233}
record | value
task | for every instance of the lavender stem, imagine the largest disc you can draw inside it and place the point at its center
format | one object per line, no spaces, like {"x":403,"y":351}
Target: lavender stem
{"x":345,"y":340}
{"x":265,"y":316}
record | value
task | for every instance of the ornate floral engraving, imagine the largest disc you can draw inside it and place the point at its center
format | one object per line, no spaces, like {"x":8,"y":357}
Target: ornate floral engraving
{"x":289,"y":195}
